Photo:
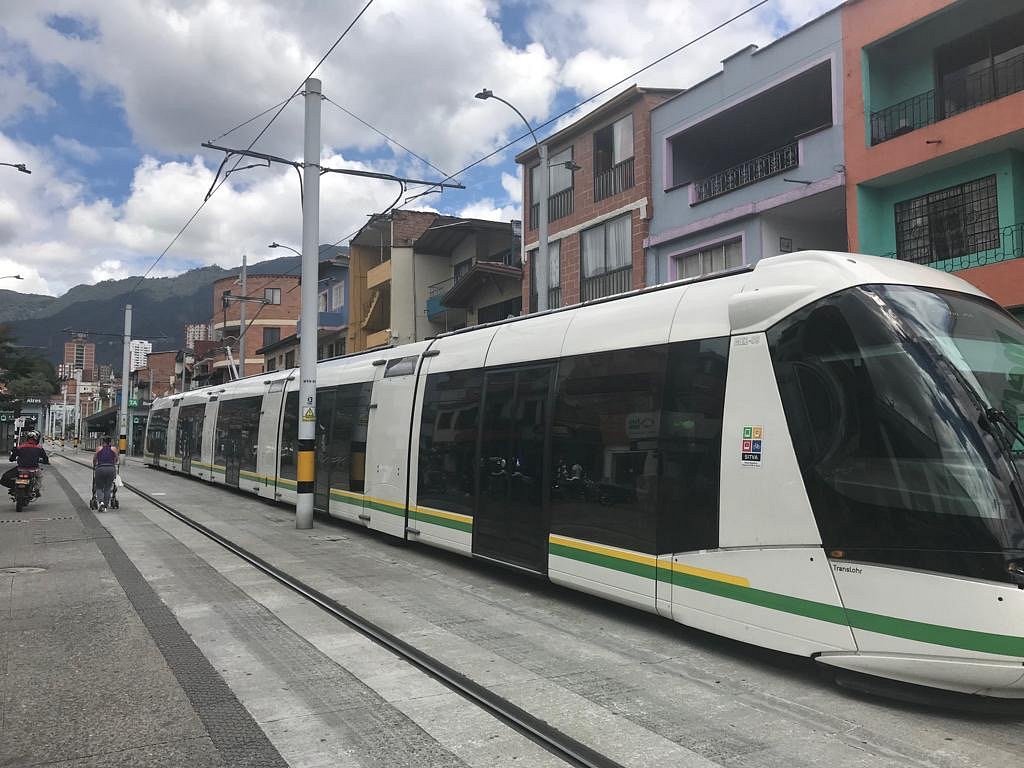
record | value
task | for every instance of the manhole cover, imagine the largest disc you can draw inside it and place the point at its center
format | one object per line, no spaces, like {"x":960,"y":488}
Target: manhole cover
{"x":15,"y":570}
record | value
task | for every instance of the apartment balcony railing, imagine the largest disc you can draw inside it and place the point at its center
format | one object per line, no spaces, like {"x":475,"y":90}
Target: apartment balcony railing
{"x":559,"y":206}
{"x":606,"y":284}
{"x":956,"y":253}
{"x":958,"y":95}
{"x":434,"y":295}
{"x":618,"y":178}
{"x":554,"y":299}
{"x":746,"y":173}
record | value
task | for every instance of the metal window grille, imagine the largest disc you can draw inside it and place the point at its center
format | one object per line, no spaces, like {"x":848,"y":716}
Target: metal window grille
{"x":949,"y":223}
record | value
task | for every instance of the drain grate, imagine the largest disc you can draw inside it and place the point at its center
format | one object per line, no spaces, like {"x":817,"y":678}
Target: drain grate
{"x":16,"y":570}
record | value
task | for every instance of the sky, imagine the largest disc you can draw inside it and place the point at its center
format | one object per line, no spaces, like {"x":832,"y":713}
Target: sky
{"x":109,"y":101}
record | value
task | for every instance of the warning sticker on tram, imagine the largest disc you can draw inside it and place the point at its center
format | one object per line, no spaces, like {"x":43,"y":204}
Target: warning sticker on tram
{"x":751,"y":447}
{"x":308,"y":415}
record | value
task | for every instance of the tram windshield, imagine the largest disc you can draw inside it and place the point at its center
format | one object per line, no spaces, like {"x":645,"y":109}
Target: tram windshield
{"x":891,"y":394}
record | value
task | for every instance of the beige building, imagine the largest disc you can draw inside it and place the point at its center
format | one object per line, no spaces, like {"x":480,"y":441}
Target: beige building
{"x":416,"y":274}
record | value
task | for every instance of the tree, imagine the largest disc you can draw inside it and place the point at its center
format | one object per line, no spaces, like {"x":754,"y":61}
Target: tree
{"x":34,"y":385}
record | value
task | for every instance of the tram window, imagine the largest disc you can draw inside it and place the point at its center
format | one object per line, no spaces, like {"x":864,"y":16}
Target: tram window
{"x":189,"y":434}
{"x":401,"y":366}
{"x":887,"y":436}
{"x":448,"y":433}
{"x":341,"y":438}
{"x":691,"y":445}
{"x":156,"y":433}
{"x":605,"y":447}
{"x":289,"y":435}
{"x":238,"y":423}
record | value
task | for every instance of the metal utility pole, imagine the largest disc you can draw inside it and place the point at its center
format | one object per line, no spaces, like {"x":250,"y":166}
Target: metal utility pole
{"x":540,"y":269}
{"x":241,"y":324}
{"x":122,"y":417}
{"x":64,"y":416}
{"x":78,"y":404}
{"x":306,"y":465}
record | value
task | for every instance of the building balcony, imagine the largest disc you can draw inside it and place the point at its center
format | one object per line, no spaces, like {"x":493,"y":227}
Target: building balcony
{"x":959,"y":94}
{"x":464,"y":287}
{"x":955,"y":251}
{"x":554,"y":299}
{"x":746,"y":173}
{"x":559,"y":206}
{"x":379,"y":275}
{"x":606,"y":284}
{"x":614,"y":180}
{"x":435,"y":294}
{"x":326,"y":321}
{"x":379,"y":339}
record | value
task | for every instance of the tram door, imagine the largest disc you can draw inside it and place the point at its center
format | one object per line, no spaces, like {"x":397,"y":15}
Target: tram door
{"x":325,"y":453}
{"x":509,"y":524}
{"x":185,"y":439}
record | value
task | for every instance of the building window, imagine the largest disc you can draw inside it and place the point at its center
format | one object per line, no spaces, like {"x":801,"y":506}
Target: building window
{"x":500,"y":311}
{"x":607,"y":247}
{"x":321,"y":301}
{"x":559,"y":189}
{"x":289,"y":359}
{"x":982,"y":66}
{"x":613,"y":158}
{"x":554,"y":276}
{"x":272,"y":295}
{"x":337,"y":296}
{"x":271,"y":336}
{"x":707,"y":261}
{"x":271,"y":364}
{"x":948,"y":223}
{"x":613,"y":144}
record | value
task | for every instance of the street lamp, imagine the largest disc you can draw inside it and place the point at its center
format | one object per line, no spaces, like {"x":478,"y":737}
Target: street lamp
{"x":276,"y":244}
{"x":541,"y":270}
{"x":19,"y":166}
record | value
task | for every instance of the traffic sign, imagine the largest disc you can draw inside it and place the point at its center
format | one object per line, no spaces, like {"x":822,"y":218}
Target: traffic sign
{"x":133,"y":403}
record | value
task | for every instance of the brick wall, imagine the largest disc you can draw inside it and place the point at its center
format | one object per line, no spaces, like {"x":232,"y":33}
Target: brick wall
{"x":585,"y":208}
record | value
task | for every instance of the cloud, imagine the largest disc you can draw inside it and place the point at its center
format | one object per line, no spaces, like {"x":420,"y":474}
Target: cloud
{"x":76,"y":150}
{"x":184,"y":71}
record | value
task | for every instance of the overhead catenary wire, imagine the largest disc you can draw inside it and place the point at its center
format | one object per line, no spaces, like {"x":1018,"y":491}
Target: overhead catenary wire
{"x":253,"y":118}
{"x":386,"y":137}
{"x":252,"y":143}
{"x":574,"y":107}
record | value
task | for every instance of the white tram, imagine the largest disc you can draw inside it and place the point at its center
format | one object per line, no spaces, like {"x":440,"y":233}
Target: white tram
{"x":820,"y":455}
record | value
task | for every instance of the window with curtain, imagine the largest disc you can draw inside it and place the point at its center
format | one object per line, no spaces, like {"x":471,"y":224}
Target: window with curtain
{"x":607,"y":247}
{"x":707,"y":261}
{"x":613,"y":144}
{"x":561,"y":177}
{"x":554,"y":263}
{"x":338,"y":296}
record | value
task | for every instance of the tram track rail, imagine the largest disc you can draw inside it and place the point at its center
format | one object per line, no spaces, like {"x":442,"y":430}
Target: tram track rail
{"x":537,"y":730}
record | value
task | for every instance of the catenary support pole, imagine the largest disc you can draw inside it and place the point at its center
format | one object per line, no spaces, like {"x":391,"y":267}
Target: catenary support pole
{"x":64,"y":416}
{"x":540,"y":270}
{"x":306,"y":466}
{"x":126,"y":359}
{"x":241,"y":324}
{"x":78,"y":405}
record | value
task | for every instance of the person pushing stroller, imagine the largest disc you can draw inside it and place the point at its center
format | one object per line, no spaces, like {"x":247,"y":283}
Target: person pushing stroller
{"x":104,"y":463}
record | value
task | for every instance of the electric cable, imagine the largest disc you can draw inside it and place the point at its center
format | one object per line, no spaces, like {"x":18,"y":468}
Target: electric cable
{"x":388,"y":138}
{"x":251,"y":119}
{"x":252,"y":143}
{"x":600,"y":93}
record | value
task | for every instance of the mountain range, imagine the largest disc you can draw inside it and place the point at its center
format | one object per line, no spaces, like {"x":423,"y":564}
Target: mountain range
{"x":161,"y":307}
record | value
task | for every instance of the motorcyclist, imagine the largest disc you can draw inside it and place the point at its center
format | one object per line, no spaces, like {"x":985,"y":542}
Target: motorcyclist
{"x":29,"y":455}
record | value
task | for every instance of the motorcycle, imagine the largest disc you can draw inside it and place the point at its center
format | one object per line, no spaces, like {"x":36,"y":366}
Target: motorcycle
{"x":26,"y":488}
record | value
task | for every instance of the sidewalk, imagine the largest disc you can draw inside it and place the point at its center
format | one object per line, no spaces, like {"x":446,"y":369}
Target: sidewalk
{"x":94,"y":668}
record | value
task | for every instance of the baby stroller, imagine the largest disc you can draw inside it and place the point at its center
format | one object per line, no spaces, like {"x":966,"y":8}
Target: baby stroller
{"x":94,"y":502}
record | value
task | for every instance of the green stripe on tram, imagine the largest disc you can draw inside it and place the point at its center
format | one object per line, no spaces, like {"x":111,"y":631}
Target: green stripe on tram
{"x":445,"y":522}
{"x":919,"y":631}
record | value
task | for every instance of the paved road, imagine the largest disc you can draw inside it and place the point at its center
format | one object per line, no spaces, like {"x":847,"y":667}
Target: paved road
{"x":640,"y":688}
